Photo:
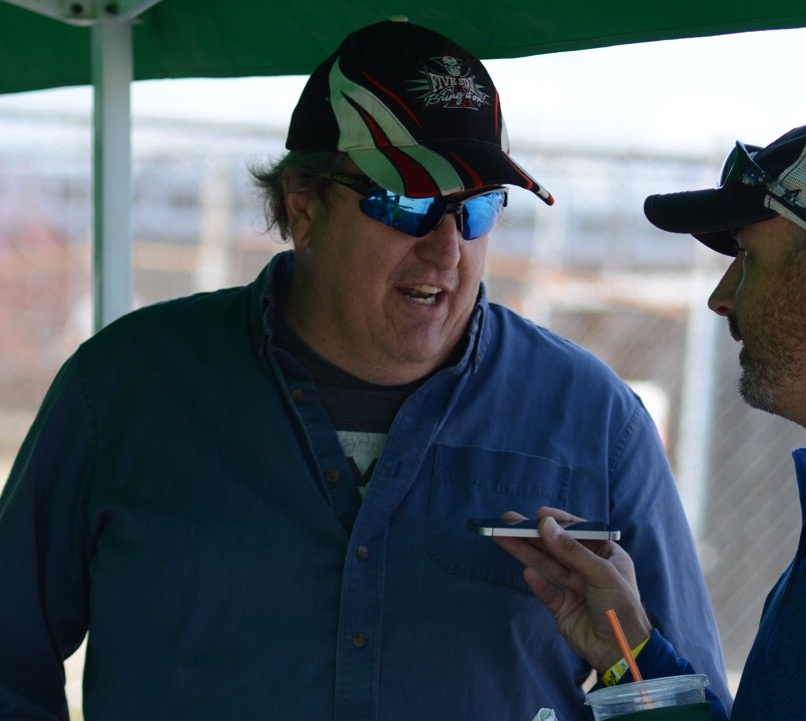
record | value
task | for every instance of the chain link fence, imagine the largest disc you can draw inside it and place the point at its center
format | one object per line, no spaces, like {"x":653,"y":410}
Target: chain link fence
{"x":590,"y":268}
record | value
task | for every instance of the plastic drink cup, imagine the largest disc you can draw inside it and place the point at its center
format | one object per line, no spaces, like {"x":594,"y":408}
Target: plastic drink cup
{"x":649,"y":695}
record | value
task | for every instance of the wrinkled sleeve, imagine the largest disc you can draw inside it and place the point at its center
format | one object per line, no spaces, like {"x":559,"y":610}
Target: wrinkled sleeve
{"x":44,"y":553}
{"x":646,"y":507}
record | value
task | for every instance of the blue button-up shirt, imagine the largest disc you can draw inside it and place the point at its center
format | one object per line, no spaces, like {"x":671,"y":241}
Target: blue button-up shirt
{"x":183,"y":496}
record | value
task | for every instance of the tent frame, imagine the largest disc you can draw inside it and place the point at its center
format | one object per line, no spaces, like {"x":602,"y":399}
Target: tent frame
{"x":112,"y":76}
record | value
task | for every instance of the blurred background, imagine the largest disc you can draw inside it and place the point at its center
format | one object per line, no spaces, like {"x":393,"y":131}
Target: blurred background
{"x":600,"y":128}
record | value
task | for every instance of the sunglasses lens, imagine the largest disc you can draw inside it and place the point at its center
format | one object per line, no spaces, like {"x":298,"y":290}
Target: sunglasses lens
{"x":480,"y":214}
{"x":408,"y":215}
{"x":419,"y":216}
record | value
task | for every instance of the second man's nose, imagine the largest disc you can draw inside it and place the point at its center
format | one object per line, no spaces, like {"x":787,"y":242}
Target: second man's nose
{"x":722,"y":298}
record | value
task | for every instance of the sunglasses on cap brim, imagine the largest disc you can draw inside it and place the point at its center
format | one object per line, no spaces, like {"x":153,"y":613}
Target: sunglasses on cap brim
{"x":740,"y":168}
{"x":476,"y":215}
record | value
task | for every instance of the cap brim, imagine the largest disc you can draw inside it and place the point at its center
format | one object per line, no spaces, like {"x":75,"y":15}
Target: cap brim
{"x":708,"y":215}
{"x":427,"y":169}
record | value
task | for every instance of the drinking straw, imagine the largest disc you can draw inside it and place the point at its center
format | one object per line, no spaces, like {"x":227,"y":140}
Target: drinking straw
{"x":623,"y":645}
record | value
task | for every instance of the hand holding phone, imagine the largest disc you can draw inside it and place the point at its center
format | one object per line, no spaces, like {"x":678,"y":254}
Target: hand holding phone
{"x":583,"y":530}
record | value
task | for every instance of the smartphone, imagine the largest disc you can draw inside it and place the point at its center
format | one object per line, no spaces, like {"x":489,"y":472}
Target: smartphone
{"x":584,"y":530}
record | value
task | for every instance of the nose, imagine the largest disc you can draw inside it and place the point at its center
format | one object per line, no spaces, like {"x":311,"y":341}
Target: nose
{"x":442,"y":247}
{"x":723,"y":298}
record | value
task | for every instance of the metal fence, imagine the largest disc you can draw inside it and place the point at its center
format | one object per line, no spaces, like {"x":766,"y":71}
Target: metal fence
{"x":591,"y":268}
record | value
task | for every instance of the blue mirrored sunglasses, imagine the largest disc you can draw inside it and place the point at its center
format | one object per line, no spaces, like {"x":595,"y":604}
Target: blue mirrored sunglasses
{"x":476,"y":215}
{"x":740,"y":168}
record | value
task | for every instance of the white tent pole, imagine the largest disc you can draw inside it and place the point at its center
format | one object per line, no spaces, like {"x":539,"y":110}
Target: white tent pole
{"x":112,"y":75}
{"x":112,"y":254}
{"x":697,"y":401}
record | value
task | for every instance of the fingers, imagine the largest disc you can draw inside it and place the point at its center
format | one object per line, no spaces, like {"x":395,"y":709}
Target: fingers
{"x":553,"y":597}
{"x":574,"y":555}
{"x":609,"y":577}
{"x":578,"y":582}
{"x":566,"y":562}
{"x":601,"y":563}
{"x":561,"y":516}
{"x":532,"y":554}
{"x":513,"y":517}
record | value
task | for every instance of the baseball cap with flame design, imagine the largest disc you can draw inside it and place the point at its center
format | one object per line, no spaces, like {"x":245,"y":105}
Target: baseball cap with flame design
{"x":414,"y":111}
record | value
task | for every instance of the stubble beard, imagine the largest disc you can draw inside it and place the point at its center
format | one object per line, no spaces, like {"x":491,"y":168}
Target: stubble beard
{"x":757,"y":384}
{"x":773,"y":358}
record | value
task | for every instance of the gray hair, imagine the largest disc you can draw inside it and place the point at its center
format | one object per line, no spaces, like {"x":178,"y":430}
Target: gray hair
{"x":302,"y":171}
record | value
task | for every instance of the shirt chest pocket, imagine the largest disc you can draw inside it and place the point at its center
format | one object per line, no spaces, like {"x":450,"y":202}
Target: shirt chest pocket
{"x":471,"y":482}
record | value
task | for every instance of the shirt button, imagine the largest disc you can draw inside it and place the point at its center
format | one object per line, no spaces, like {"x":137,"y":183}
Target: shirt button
{"x":332,"y":475}
{"x":298,"y":395}
{"x":362,"y":552}
{"x":359,"y":640}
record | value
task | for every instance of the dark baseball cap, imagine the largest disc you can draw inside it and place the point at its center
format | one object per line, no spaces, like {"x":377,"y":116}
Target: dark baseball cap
{"x":755,"y":184}
{"x":414,"y":111}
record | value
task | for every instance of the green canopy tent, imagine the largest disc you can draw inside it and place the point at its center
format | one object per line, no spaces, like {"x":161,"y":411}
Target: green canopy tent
{"x":109,"y":43}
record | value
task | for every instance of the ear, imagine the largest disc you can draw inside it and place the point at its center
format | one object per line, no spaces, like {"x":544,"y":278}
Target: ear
{"x":300,"y":208}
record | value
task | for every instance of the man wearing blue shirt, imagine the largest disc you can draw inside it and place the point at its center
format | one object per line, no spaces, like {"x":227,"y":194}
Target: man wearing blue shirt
{"x":255,"y":500}
{"x":756,"y":215}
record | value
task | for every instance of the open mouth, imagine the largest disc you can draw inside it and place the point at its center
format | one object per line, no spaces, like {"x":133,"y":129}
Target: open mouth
{"x":423,"y":294}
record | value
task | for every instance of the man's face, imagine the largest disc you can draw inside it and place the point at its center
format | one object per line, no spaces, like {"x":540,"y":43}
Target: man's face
{"x":763,"y":296}
{"x":384,"y":306}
